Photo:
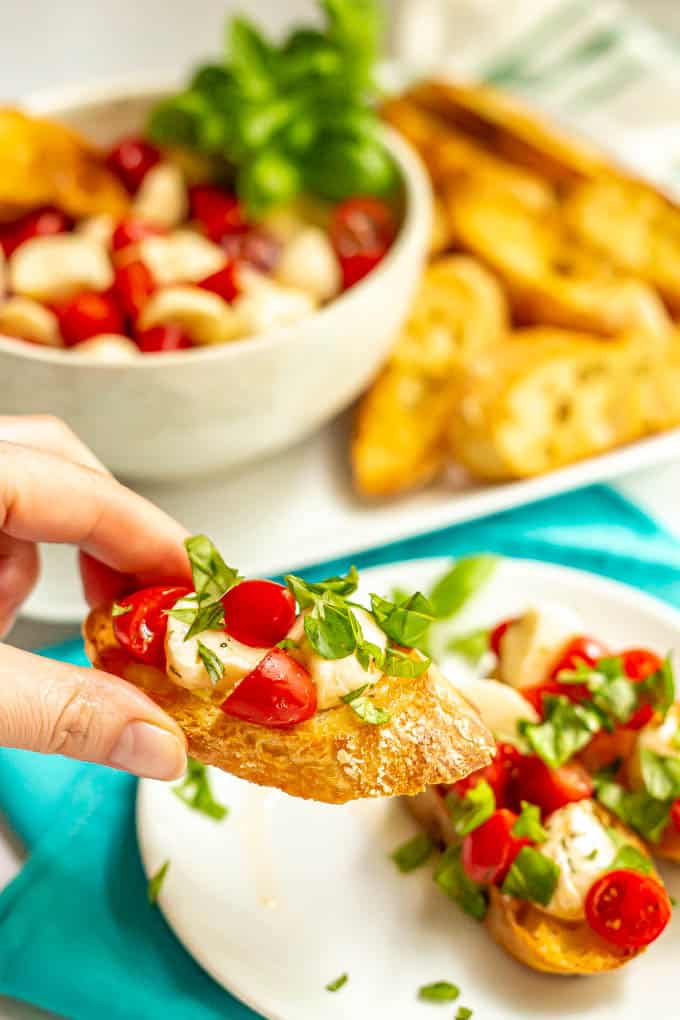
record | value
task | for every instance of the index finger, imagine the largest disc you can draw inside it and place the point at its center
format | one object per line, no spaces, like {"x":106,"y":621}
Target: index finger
{"x":44,"y":498}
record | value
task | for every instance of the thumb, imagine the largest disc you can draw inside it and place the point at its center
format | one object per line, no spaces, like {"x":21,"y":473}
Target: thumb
{"x":57,"y":708}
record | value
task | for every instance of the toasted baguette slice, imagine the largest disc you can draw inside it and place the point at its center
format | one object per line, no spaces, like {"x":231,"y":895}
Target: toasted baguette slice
{"x":434,"y":735}
{"x":399,"y":441}
{"x":634,"y":227}
{"x":549,"y":398}
{"x":510,"y":129}
{"x":46,"y":163}
{"x":533,"y":937}
{"x":551,"y":279}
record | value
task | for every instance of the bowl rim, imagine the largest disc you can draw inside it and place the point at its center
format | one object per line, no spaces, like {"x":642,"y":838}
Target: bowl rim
{"x":417,"y":212}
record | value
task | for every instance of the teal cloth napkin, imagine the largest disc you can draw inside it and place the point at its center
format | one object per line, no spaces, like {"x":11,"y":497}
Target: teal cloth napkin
{"x":77,"y":934}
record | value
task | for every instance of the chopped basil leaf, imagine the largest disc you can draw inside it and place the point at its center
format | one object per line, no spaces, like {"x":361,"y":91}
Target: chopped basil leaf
{"x":331,"y":630}
{"x":364,"y":707}
{"x":414,"y":853}
{"x":532,"y":876}
{"x":466,"y":576}
{"x":463,"y":1013}
{"x":213,"y":664}
{"x":398,"y":663}
{"x":451,"y":879}
{"x":658,"y":689}
{"x":156,"y":881}
{"x":529,"y":824}
{"x":592,"y":855}
{"x":406,"y":623}
{"x":307,"y":592}
{"x":288,"y":645}
{"x":335,"y":986}
{"x":628,"y":856}
{"x":196,"y":792}
{"x":645,"y":814}
{"x":660,"y":775}
{"x":212,"y":577}
{"x":118,"y":610}
{"x":472,"y":646}
{"x":209,"y":617}
{"x":613,"y":694}
{"x":565,"y":730}
{"x":439,"y":991}
{"x":472,"y":810}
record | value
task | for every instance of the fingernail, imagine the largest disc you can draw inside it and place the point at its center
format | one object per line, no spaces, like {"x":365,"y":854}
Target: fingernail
{"x":149,"y":751}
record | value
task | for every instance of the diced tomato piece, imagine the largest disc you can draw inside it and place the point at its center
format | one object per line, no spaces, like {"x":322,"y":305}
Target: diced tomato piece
{"x":38,"y":223}
{"x":132,"y":231}
{"x":580,"y":651}
{"x":498,"y":774}
{"x":548,"y":788}
{"x":161,"y":339}
{"x":223,"y":282}
{"x":87,"y":315}
{"x":361,"y":231}
{"x":219,"y":212}
{"x":628,"y":909}
{"x":278,"y":693}
{"x":258,"y":613}
{"x":638,"y":664}
{"x":133,"y":286}
{"x":141,"y":630}
{"x":489,"y":850}
{"x":131,"y":159}
{"x":497,"y":635}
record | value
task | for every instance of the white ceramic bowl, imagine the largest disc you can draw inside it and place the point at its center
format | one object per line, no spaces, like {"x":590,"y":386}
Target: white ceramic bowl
{"x":192,"y":412}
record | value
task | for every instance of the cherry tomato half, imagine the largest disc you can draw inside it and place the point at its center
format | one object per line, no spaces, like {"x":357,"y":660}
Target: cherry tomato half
{"x":163,"y":338}
{"x":278,"y":693}
{"x":497,"y":635}
{"x":39,"y":223}
{"x":133,"y":286}
{"x":131,"y":159}
{"x":142,"y":630}
{"x":258,"y":613}
{"x":87,"y":315}
{"x":223,"y":282}
{"x":628,"y":909}
{"x":548,"y":788}
{"x":132,"y":231}
{"x":361,"y":231}
{"x":219,"y":212}
{"x":489,"y":850}
{"x":498,"y":775}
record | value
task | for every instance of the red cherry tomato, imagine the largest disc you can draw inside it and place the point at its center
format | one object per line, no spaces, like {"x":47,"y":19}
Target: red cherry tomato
{"x":361,"y":231}
{"x":218,"y":211}
{"x":39,"y":223}
{"x":163,"y":338}
{"x":628,"y":909}
{"x":141,"y":631}
{"x":675,"y":815}
{"x":638,"y":664}
{"x":278,"y":693}
{"x":498,"y":774}
{"x":258,"y":613}
{"x":489,"y":850}
{"x":88,"y":314}
{"x":548,"y":788}
{"x":497,"y":635}
{"x":133,"y":286}
{"x":579,"y":651}
{"x":223,"y":282}
{"x":258,"y":247}
{"x":132,"y":231}
{"x":131,"y":159}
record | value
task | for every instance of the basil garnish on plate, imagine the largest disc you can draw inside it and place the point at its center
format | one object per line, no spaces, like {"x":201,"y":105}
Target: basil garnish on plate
{"x":156,"y":881}
{"x":439,"y":991}
{"x":337,"y":984}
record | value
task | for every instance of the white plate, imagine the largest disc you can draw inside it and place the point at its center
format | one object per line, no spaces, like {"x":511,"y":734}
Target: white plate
{"x":298,"y":508}
{"x":285,"y":895}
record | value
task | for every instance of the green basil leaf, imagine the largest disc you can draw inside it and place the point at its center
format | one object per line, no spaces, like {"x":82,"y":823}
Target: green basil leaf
{"x":463,"y":1013}
{"x":630,"y":857}
{"x":336,"y":985}
{"x":271,"y":177}
{"x":529,"y":824}
{"x":331,"y":630}
{"x":397,"y":663}
{"x":472,"y":810}
{"x":406,"y":623}
{"x":532,"y":876}
{"x":370,"y":655}
{"x":287,"y":644}
{"x":472,"y":646}
{"x":364,"y":707}
{"x":251,"y":59}
{"x":439,"y":991}
{"x":565,"y":730}
{"x":643,"y":813}
{"x":212,"y":577}
{"x":658,"y":689}
{"x":213,"y":664}
{"x":660,"y":775}
{"x":196,"y":792}
{"x":118,"y":610}
{"x":210,"y":617}
{"x":460,"y":583}
{"x":156,"y":881}
{"x":414,"y":853}
{"x":451,"y":879}
{"x":306,"y":593}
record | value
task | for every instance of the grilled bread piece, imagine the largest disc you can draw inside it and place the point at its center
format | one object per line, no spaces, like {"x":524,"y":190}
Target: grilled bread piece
{"x":399,"y":440}
{"x":433,"y":735}
{"x":551,"y":279}
{"x":45,"y":163}
{"x":533,"y":937}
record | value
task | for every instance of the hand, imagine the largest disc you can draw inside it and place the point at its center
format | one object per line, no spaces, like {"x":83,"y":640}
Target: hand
{"x":53,"y":489}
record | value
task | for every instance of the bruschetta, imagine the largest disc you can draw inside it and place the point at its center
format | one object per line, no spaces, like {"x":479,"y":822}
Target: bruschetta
{"x":293,"y":686}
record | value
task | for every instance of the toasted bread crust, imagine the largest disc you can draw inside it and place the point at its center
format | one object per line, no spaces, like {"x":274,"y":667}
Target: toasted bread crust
{"x":433,"y":736}
{"x":533,"y":937}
